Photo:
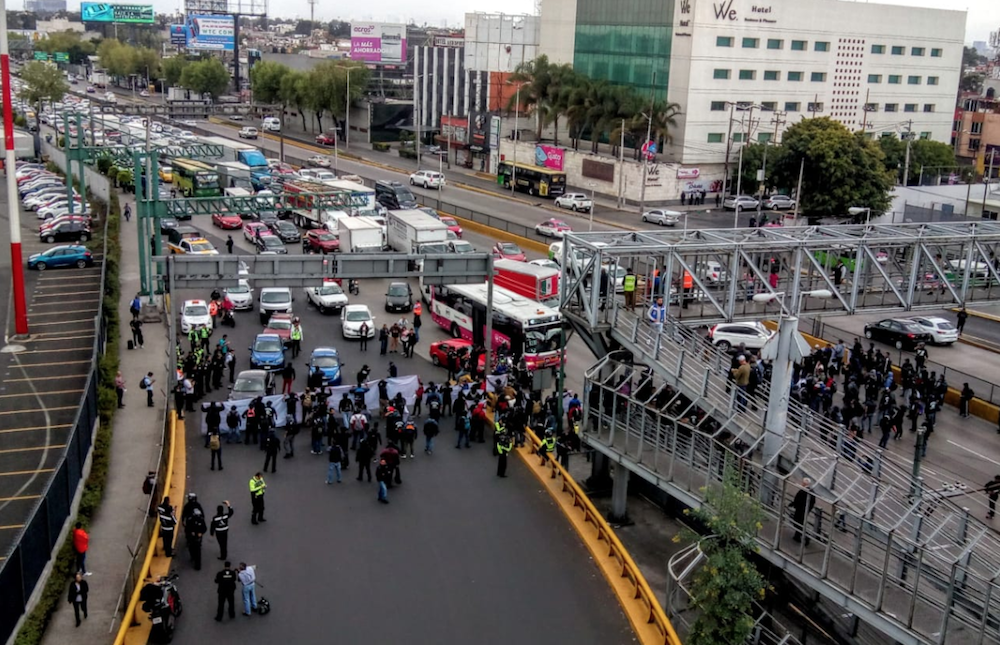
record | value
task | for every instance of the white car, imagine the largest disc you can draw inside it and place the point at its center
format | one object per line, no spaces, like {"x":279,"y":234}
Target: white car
{"x":753,"y":335}
{"x":941,"y":330}
{"x":353,"y":317}
{"x":241,"y":295}
{"x":427,"y":179}
{"x":328,"y":297}
{"x":741,"y":202}
{"x":548,"y":264}
{"x":662,"y":217}
{"x":247,"y":132}
{"x":318,"y":174}
{"x":710,"y":271}
{"x":575,"y":202}
{"x":321,"y":161}
{"x":460,"y":246}
{"x":195,"y":314}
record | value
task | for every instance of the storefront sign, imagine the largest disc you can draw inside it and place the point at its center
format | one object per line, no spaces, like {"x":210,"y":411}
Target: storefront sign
{"x":688,"y":173}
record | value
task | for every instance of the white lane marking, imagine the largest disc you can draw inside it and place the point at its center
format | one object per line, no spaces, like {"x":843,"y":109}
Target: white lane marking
{"x":970,"y":450}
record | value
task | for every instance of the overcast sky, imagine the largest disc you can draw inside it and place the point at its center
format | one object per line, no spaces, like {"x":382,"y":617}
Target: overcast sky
{"x":984,"y":15}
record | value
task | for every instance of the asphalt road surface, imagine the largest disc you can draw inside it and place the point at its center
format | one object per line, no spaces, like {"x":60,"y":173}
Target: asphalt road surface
{"x":43,"y":376}
{"x":457,"y":556}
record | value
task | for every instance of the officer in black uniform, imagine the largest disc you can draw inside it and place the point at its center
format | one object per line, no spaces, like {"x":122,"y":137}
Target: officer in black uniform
{"x":220,"y":528}
{"x":168,"y":522}
{"x":194,"y":529}
{"x":226,"y":582}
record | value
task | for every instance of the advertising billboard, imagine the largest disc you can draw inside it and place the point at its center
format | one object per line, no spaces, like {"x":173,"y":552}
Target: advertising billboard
{"x":178,"y":35}
{"x":216,"y":33}
{"x":549,"y":157}
{"x":378,"y":42}
{"x":121,"y":13}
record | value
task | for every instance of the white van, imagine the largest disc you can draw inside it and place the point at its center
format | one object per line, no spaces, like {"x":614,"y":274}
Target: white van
{"x":271,"y":124}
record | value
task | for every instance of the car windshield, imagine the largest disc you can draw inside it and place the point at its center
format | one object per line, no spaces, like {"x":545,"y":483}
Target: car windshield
{"x":463,"y":247}
{"x":510,"y":249}
{"x":287,"y":227}
{"x":331,"y":289}
{"x":913,"y":329}
{"x":244,"y":384}
{"x":241,"y":288}
{"x":944,"y":325}
{"x":398,"y":290}
{"x":357,"y":316}
{"x":272,"y":297}
{"x":327,"y":237}
{"x":201,"y":247}
{"x":325,"y":361}
{"x":279,"y":324}
{"x":559,"y":223}
{"x":267,"y":345}
{"x":196,"y":310}
{"x":449,"y":221}
{"x":271,"y":242}
{"x":537,"y":341}
{"x":404,"y":195}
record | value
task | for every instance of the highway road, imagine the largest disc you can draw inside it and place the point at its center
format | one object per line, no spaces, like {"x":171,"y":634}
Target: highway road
{"x":457,"y":556}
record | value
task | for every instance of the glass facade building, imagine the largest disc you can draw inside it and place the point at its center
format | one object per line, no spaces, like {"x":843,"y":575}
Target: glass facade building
{"x":625,"y":42}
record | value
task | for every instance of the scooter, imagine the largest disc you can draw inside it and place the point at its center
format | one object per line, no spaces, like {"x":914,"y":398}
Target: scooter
{"x":162,"y":602}
{"x":353,"y":288}
{"x":228,"y":320}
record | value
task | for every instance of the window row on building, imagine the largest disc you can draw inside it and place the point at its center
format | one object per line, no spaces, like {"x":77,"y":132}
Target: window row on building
{"x":897,"y":79}
{"x":795,"y":106}
{"x":748,"y":42}
{"x":765,"y":137}
{"x":723,"y":74}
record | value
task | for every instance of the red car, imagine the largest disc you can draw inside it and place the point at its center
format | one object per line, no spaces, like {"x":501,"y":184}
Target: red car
{"x":320,"y":241}
{"x":227,"y":221}
{"x":508,"y":251}
{"x":452,"y":224}
{"x":280,"y":324}
{"x":439,"y":351}
{"x":328,"y":138}
{"x":280,"y":168}
{"x":56,"y":221}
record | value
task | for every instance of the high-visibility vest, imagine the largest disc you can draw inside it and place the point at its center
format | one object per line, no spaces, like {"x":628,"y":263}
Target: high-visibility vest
{"x":549,"y":443}
{"x":688,"y":280}
{"x":629,"y":282}
{"x":256,"y":487}
{"x":296,"y":333}
{"x":205,"y":332}
{"x":418,"y":309}
{"x":213,"y":309}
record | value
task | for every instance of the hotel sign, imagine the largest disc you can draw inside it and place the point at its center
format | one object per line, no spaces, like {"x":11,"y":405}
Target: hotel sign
{"x":759,"y":13}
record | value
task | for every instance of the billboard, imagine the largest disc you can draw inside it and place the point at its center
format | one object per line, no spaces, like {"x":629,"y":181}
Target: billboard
{"x":549,"y":157}
{"x":378,"y":42}
{"x":121,"y":13}
{"x":178,"y":35}
{"x":215,"y":33}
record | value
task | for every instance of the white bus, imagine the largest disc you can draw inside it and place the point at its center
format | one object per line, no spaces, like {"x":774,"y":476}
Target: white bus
{"x":528,"y":328}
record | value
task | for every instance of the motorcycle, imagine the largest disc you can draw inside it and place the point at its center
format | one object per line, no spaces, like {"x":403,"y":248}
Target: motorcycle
{"x":162,"y":601}
{"x":228,"y":320}
{"x":353,"y":288}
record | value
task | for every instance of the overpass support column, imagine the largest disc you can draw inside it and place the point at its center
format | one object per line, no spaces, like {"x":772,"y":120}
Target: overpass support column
{"x":777,"y":402}
{"x":619,"y":495}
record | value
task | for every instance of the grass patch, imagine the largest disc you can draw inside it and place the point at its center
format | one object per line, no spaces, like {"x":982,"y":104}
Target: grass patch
{"x":54,"y":592}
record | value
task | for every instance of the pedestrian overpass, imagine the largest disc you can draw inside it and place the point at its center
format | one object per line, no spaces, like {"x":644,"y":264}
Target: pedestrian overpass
{"x":901,"y":553}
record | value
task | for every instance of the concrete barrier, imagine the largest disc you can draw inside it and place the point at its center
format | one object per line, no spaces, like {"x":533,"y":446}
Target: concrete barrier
{"x":98,"y":184}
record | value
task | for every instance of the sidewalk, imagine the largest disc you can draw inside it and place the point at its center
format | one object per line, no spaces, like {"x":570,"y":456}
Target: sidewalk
{"x":134,"y":451}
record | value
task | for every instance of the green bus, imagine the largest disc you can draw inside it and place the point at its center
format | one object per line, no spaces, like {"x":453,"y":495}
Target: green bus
{"x":533,"y":180}
{"x":195,"y":179}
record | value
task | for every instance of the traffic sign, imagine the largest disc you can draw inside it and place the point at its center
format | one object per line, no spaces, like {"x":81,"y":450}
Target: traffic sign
{"x":62,"y":57}
{"x":41,"y":56}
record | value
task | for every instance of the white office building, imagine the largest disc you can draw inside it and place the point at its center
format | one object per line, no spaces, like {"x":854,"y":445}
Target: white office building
{"x":748,"y":69}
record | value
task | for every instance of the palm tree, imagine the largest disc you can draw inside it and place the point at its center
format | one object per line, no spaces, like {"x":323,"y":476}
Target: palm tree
{"x":579,"y":102}
{"x":664,"y":119}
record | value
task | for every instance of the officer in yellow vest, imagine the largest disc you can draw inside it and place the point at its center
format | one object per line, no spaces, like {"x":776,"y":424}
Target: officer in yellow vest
{"x":257,"y":488}
{"x":547,"y":446}
{"x":498,"y":429}
{"x":628,"y":284}
{"x":296,"y":337}
{"x":504,"y":445}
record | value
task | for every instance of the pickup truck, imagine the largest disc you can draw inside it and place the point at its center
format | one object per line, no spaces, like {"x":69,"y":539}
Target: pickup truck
{"x":248,"y":132}
{"x":575,"y":202}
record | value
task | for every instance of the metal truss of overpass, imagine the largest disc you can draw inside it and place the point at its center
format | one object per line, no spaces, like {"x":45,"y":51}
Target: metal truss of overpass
{"x":888,"y":268}
{"x":893,"y":549}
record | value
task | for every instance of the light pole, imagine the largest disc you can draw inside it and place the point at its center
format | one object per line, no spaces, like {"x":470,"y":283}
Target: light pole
{"x":517,"y":125}
{"x":347,"y":112}
{"x":593,"y":191}
{"x":645,"y":162}
{"x":857,"y":210}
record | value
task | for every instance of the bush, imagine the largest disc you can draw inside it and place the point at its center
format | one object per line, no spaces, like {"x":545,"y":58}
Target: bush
{"x":407,"y":153}
{"x":20,"y":121}
{"x":380,"y":147}
{"x":104,"y":165}
{"x":37,"y":621}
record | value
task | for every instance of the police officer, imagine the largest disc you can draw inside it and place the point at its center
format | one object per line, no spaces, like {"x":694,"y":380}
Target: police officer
{"x":194,"y":529}
{"x":168,"y":522}
{"x":628,"y":285}
{"x":189,"y":508}
{"x":504,"y":445}
{"x":226,"y":588}
{"x":220,"y":529}
{"x":257,"y":488}
{"x":296,"y":337}
{"x":547,"y":446}
{"x":499,"y":429}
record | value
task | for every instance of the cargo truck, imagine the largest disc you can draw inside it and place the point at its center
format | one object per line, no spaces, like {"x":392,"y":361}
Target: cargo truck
{"x":359,"y":234}
{"x":233,"y":174}
{"x":313,"y":205}
{"x":253,"y":158}
{"x":412,"y":231}
{"x":538,"y":283}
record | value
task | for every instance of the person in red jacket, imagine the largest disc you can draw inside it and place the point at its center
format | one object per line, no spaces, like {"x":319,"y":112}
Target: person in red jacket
{"x":81,"y":541}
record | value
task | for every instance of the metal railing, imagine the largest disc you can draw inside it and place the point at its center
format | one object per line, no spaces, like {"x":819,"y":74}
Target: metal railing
{"x":24,"y":565}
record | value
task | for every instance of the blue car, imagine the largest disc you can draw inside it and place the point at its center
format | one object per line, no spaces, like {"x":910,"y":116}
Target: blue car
{"x":327,"y":361}
{"x":267,"y":352}
{"x":69,"y":255}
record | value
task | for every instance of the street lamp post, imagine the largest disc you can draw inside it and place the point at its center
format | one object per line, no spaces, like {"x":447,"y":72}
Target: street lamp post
{"x":857,"y":210}
{"x":517,"y":137}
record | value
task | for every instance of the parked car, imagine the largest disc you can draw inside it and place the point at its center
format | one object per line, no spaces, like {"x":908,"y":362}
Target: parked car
{"x":327,"y":361}
{"x":508,"y":251}
{"x":328,"y":138}
{"x":248,"y":132}
{"x":329,"y":296}
{"x":427,"y":179}
{"x":320,"y":161}
{"x":70,"y":255}
{"x":553,"y":228}
{"x":741,"y":202}
{"x":250,"y":384}
{"x":941,"y":330}
{"x":779,"y":202}
{"x":898,"y":332}
{"x":67,"y":232}
{"x":399,"y":297}
{"x":354,"y":316}
{"x":575,"y":202}
{"x":320,"y":241}
{"x":753,"y":335}
{"x":662,"y":217}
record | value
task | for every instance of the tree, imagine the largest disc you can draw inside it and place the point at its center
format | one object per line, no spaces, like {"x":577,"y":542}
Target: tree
{"x":933,"y":157}
{"x":42,"y":82}
{"x":971,"y":57}
{"x":339,"y":29}
{"x":207,"y":76}
{"x":842,"y":169}
{"x":972,"y":82}
{"x":69,"y":42}
{"x":304,"y":28}
{"x":727,"y":584}
{"x":173,"y":68}
{"x":116,"y":57}
{"x":265,"y":80}
{"x":753,"y":160}
{"x":146,"y":62}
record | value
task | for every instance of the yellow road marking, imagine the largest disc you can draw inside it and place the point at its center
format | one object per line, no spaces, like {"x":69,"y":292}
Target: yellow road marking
{"x":27,"y":472}
{"x":39,"y":410}
{"x":11,"y":527}
{"x":33,"y":428}
{"x":34,"y":449}
{"x":47,"y":364}
{"x":18,"y":499}
{"x":8,"y":396}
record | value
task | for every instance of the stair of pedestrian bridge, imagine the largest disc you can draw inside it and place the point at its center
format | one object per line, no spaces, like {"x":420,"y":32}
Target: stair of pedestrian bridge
{"x":904,"y":558}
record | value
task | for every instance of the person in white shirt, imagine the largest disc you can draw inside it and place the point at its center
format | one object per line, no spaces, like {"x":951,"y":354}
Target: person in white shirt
{"x":248,"y":578}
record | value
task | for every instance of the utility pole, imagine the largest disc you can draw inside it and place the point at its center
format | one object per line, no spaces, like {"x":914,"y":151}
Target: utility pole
{"x":347,"y":109}
{"x":649,"y":133}
{"x":798,"y":189}
{"x":13,"y":208}
{"x":416,"y":122}
{"x":729,"y":149}
{"x":621,"y":169}
{"x":906,"y":165}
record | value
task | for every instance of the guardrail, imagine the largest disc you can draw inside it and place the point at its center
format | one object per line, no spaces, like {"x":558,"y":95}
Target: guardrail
{"x":24,"y":565}
{"x":652,"y":614}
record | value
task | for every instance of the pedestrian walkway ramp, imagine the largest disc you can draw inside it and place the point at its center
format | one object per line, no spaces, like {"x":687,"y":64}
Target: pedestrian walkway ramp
{"x":904,"y":558}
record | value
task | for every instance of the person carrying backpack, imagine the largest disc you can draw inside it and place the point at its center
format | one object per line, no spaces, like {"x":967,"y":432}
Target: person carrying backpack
{"x":336,"y":454}
{"x":147,"y":384}
{"x":194,"y":529}
{"x":464,"y":426}
{"x":409,"y":435}
{"x":215,"y":445}
{"x":233,"y":423}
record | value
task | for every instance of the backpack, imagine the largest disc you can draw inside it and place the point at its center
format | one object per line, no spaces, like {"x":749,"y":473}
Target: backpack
{"x":213,"y":442}
{"x":263,"y":606}
{"x":233,"y":419}
{"x":142,"y":383}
